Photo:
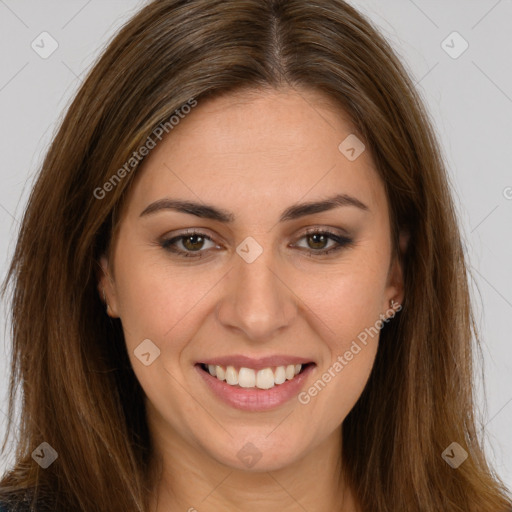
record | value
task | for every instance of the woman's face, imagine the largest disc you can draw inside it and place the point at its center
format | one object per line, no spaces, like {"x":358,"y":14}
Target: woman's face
{"x":234,"y":278}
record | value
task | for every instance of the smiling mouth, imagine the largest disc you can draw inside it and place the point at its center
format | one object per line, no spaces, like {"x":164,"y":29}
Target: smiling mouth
{"x":249,"y":378}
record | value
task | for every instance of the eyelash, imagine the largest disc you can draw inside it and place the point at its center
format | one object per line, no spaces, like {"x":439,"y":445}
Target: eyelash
{"x":341,"y":241}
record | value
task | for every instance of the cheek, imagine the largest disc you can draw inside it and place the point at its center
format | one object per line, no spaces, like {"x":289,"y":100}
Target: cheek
{"x":162,"y":303}
{"x":337,"y":387}
{"x":345,"y":307}
{"x":350,"y":330}
{"x":347,"y":299}
{"x":349,"y":310}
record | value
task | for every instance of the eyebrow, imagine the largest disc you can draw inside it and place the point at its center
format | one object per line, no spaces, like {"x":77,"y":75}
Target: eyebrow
{"x":293,"y":212}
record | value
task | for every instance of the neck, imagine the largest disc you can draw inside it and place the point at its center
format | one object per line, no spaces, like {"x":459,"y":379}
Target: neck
{"x":190,"y":480}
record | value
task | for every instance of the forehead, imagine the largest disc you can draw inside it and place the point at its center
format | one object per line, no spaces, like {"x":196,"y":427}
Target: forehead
{"x":265,"y":146}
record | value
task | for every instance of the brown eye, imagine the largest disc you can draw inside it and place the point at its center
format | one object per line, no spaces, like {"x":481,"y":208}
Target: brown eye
{"x":193,"y":242}
{"x":188,"y":244}
{"x":317,"y":240}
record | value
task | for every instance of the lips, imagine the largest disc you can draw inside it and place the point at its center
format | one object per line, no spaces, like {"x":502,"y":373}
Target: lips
{"x":239,"y":361}
{"x":252,"y":399}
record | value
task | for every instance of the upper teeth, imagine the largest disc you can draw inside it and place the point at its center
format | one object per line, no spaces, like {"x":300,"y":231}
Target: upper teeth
{"x":265,"y":378}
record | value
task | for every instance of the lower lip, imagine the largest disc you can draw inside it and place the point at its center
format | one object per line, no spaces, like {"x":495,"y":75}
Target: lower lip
{"x":254,"y":399}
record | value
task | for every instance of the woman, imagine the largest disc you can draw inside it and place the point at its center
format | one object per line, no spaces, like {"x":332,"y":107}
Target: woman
{"x":239,"y":282}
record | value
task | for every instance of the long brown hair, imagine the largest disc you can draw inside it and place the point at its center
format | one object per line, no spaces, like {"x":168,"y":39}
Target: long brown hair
{"x":78,"y":390}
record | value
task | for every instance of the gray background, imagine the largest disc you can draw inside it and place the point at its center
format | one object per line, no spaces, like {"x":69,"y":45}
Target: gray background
{"x":469,"y":98}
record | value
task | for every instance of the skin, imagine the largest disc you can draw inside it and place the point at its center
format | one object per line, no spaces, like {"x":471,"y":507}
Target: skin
{"x":253,"y":153}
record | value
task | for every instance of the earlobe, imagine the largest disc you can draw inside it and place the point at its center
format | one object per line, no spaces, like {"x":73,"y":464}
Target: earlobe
{"x":396,"y":277}
{"x":106,"y":288}
{"x":403,"y":242}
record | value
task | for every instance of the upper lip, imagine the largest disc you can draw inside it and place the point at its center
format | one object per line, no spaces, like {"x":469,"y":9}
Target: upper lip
{"x":240,"y":361}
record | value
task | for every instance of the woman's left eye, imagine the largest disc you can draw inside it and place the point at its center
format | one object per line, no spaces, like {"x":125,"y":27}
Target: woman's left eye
{"x":193,"y":244}
{"x":318,"y":241}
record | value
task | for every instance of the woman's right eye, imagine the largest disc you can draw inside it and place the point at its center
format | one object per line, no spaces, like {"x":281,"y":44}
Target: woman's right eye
{"x":192,"y":244}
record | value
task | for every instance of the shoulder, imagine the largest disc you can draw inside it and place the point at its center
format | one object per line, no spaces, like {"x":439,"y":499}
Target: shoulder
{"x":19,"y":500}
{"x":23,"y":500}
{"x":14,"y":506}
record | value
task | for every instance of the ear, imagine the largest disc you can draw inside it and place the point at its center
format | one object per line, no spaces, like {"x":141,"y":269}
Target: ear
{"x":395,"y":285}
{"x":107,"y":289}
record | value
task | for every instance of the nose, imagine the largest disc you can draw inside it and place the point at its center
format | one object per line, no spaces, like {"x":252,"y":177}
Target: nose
{"x":256,"y":299}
